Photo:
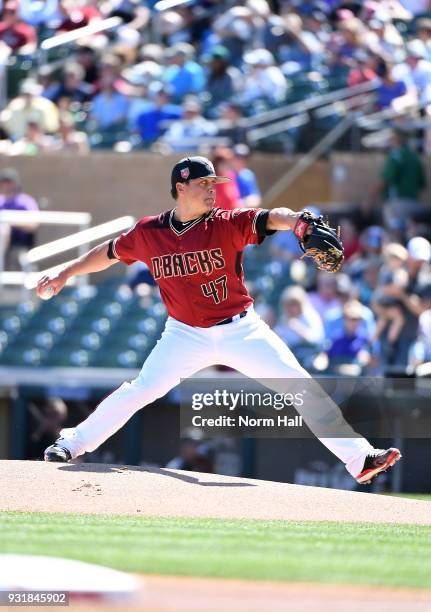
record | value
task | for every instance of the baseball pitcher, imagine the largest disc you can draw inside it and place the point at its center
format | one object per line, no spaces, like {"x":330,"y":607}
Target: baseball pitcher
{"x":194,"y":252}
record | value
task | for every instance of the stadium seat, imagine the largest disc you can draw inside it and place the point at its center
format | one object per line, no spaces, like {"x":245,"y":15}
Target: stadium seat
{"x":18,"y":69}
{"x":61,"y":357}
{"x":30,"y":356}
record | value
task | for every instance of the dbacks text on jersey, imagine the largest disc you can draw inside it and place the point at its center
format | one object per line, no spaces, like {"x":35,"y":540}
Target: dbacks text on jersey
{"x":185,"y":264}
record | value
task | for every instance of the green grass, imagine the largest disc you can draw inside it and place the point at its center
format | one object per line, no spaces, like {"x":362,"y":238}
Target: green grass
{"x":261,"y":550}
{"x":421,"y":496}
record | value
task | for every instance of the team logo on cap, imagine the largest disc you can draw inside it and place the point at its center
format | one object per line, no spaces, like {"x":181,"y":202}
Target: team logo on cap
{"x":185,"y":173}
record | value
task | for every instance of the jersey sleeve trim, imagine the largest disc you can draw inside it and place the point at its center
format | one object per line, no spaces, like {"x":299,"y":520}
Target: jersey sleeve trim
{"x":114,"y":250}
{"x":260,"y":223}
{"x":111,"y":254}
{"x":253,"y":225}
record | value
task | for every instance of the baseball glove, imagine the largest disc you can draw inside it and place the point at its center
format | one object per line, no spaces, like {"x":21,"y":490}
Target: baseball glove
{"x":319,"y":241}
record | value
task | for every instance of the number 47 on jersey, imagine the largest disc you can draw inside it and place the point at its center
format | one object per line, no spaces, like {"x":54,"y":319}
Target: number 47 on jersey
{"x":216,"y":289}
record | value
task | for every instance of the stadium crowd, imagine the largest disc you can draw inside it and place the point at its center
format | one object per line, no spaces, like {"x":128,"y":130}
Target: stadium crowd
{"x":184,"y":79}
{"x":179,"y":77}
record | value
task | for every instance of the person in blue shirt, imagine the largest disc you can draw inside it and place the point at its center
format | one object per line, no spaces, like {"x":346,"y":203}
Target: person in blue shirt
{"x":152,"y":120}
{"x":37,"y":13}
{"x":108,"y":116}
{"x":334,"y":319}
{"x":72,"y":86}
{"x":183,"y":74}
{"x":245,"y":177}
{"x":352,"y":346}
{"x":389,"y":88}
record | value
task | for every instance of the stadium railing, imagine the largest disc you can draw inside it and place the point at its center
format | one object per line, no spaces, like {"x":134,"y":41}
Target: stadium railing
{"x":22,"y":218}
{"x":57,"y":247}
{"x":309,"y":104}
{"x":28,"y":277}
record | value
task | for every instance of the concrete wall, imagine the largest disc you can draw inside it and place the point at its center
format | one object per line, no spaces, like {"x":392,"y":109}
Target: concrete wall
{"x":110,"y":185}
{"x":353,"y":175}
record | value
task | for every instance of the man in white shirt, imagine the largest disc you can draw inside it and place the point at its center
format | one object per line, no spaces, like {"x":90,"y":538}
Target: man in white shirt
{"x":415,"y":72}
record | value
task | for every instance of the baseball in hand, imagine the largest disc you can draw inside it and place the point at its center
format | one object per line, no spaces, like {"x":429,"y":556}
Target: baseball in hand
{"x":47,"y":293}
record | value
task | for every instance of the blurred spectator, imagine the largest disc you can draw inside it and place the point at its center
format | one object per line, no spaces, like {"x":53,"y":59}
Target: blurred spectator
{"x":30,"y":104}
{"x":349,"y":37}
{"x":389,"y":308}
{"x":86,"y":57}
{"x":139,"y":274}
{"x":195,"y":455}
{"x":108,"y":112}
{"x":415,"y":7}
{"x":38,"y":13}
{"x":227,"y":194}
{"x":263,"y":80}
{"x":423,"y":33}
{"x":316,"y":22}
{"x":261,"y":306}
{"x":231,"y":123}
{"x":48,"y":421}
{"x":171,"y":28}
{"x":183,"y":74}
{"x":72,"y":85}
{"x":284,"y":246}
{"x":300,"y":325}
{"x":186,"y":133}
{"x":389,"y":88}
{"x":110,"y":71}
{"x":352,"y":345}
{"x":349,"y":236}
{"x":363,"y":69}
{"x":383,"y":38}
{"x":68,"y":139}
{"x":401,"y":183}
{"x":346,"y":291}
{"x":415,"y":71}
{"x":302,"y":49}
{"x":19,"y":36}
{"x":325,"y":298}
{"x":21,"y":238}
{"x":78,"y":15}
{"x":146,"y":74}
{"x":272,"y":31}
{"x":235,"y":29}
{"x":223,"y":80}
{"x":131,"y":12}
{"x":151,"y":121}
{"x":47,"y":80}
{"x":245,"y":177}
{"x":412,"y":300}
{"x":34,"y":141}
{"x":371,"y":243}
{"x":368,"y":281}
{"x":421,"y":349}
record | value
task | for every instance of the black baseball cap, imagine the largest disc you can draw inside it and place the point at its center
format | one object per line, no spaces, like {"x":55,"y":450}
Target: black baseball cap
{"x":190,"y":168}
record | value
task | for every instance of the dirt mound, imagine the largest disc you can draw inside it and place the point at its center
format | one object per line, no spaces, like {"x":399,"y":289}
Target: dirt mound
{"x":113,"y":489}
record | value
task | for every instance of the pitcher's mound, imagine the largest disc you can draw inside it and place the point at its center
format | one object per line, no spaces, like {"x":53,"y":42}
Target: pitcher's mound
{"x":113,"y":489}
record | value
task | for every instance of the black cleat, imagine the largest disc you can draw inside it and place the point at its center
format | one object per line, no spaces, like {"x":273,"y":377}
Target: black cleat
{"x":378,"y":462}
{"x":57,"y":453}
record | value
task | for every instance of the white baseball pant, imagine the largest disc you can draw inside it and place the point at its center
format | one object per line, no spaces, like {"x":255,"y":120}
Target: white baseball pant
{"x":247,"y":345}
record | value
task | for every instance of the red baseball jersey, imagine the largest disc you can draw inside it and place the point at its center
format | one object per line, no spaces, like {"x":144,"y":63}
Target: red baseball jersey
{"x":199,"y":268}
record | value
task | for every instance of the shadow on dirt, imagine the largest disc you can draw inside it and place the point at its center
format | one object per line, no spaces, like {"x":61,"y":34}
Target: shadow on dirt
{"x":124,"y":469}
